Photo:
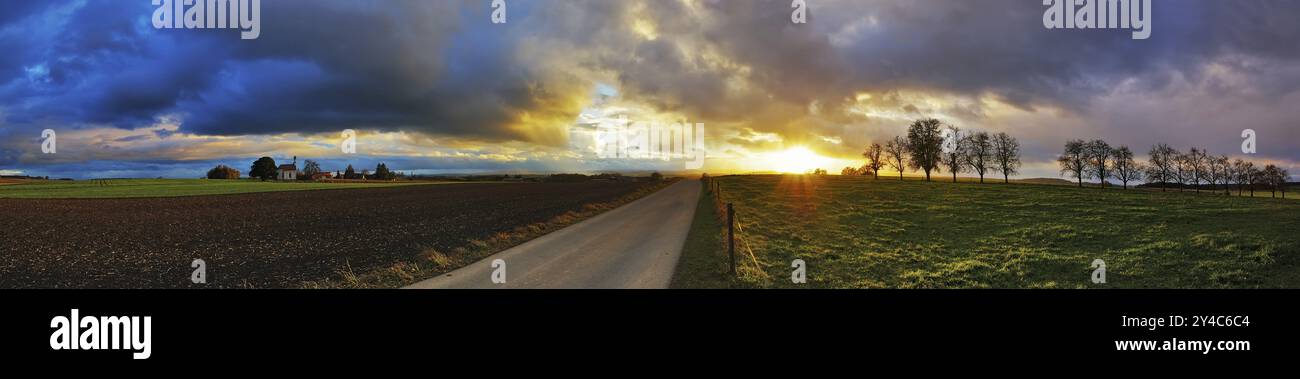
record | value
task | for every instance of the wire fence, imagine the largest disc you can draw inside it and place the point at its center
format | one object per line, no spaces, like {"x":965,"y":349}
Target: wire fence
{"x":733,"y":230}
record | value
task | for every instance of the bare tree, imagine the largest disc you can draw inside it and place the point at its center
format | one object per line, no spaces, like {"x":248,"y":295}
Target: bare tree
{"x":954,"y":151}
{"x":1229,"y":173}
{"x":1196,"y":166}
{"x":1182,"y":164}
{"x":1098,"y":154}
{"x":1285,"y":180}
{"x":896,"y":154}
{"x":1271,"y":177}
{"x":1253,"y":178}
{"x":1161,"y":166}
{"x":1217,"y":171}
{"x":1006,"y":151}
{"x":874,"y":157}
{"x":979,"y":153}
{"x":1243,"y":170}
{"x":925,"y":145}
{"x":1125,"y":169}
{"x":1074,"y":160}
{"x":850,"y":171}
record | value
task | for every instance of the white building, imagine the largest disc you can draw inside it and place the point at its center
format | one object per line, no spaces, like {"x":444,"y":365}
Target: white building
{"x":289,"y":171}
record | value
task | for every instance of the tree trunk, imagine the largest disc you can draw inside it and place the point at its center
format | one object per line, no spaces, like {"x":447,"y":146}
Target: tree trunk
{"x":1080,"y":181}
{"x":954,"y":176}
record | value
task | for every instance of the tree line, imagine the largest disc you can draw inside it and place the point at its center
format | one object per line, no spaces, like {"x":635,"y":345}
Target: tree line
{"x":923,"y":149}
{"x":265,"y":168}
{"x":1166,"y":166}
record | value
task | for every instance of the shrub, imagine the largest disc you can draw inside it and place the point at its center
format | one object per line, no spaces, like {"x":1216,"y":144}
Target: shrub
{"x":223,"y":172}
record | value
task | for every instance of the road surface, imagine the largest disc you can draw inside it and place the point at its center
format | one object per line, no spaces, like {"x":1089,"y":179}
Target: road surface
{"x":634,"y":246}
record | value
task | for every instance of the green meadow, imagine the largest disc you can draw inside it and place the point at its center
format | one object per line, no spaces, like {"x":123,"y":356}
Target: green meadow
{"x":856,"y":232}
{"x":133,"y":188}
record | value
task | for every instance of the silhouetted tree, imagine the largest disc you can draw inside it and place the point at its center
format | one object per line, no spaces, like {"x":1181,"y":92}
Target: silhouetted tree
{"x":1242,"y":171}
{"x":875,"y":159}
{"x":1161,"y":166}
{"x":1229,"y":172}
{"x":980,"y":153}
{"x":1271,"y":177}
{"x":1098,"y":155}
{"x":350,"y":173}
{"x":263,"y":168}
{"x":1196,"y":161}
{"x":1284,"y":178}
{"x":1254,"y":178}
{"x":382,"y":172}
{"x":895,"y":154}
{"x":1074,"y":160}
{"x":849,"y":171}
{"x":309,"y":169}
{"x":954,"y":151}
{"x":925,"y":145}
{"x":1181,"y":166}
{"x":1219,"y":170}
{"x":1125,"y":169}
{"x":1006,"y":151}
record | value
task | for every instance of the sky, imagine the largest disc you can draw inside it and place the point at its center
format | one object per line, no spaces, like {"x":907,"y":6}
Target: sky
{"x":437,"y":87}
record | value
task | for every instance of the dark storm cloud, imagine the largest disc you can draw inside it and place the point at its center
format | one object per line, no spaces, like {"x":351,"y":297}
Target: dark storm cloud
{"x":318,"y":66}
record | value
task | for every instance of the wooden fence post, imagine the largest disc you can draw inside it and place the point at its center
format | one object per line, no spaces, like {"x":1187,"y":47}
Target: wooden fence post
{"x":731,"y":236}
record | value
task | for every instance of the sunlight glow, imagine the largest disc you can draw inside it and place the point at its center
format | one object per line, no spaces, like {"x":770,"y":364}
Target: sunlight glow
{"x":797,"y":160}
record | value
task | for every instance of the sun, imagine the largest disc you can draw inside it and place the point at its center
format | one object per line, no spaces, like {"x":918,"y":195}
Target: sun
{"x":797,"y":160}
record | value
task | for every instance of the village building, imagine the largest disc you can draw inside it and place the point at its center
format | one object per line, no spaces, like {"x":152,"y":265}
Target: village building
{"x":289,"y":171}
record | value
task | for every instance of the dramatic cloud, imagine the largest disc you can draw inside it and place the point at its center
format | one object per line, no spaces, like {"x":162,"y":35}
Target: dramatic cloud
{"x":441,"y":74}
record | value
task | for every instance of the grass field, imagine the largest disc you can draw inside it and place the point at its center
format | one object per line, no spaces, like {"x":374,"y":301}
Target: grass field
{"x":134,"y":188}
{"x":856,"y":232}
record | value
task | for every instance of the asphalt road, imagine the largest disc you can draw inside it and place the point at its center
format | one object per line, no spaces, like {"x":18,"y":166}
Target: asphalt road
{"x":634,"y":246}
